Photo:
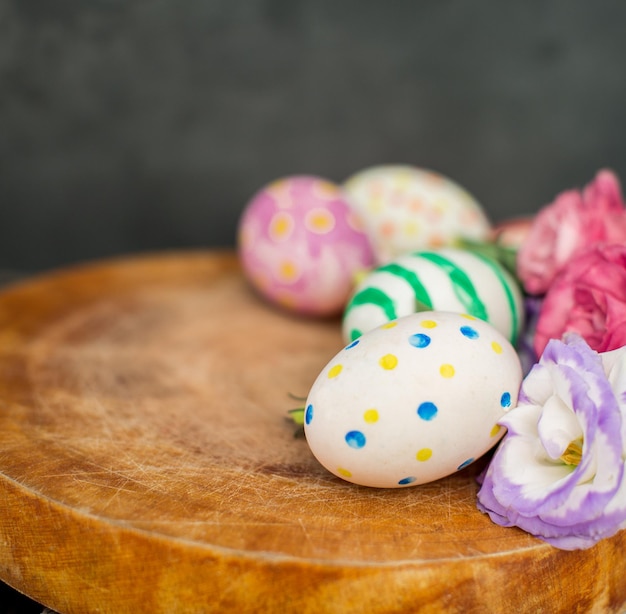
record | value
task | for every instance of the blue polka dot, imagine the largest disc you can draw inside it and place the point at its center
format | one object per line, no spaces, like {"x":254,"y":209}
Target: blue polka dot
{"x":469,"y":332}
{"x":405,"y":481}
{"x":419,"y":340}
{"x":427,"y":410}
{"x":355,"y":439}
{"x":308,"y":414}
{"x":355,"y":342}
{"x":464,"y":464}
{"x":505,"y":399}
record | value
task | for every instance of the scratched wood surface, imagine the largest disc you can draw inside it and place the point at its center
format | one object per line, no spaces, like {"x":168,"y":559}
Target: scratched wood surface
{"x":147,"y":465}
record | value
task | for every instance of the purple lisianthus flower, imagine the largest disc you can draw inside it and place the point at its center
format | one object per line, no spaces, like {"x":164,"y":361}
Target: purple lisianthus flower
{"x":559,"y":473}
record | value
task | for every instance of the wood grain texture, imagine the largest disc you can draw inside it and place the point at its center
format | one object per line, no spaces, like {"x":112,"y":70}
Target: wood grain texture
{"x":147,"y":465}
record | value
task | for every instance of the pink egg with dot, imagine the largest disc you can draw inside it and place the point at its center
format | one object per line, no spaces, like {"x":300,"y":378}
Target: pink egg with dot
{"x":302,"y":246}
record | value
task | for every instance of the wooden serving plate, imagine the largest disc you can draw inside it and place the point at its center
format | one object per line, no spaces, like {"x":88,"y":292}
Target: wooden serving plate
{"x":147,"y":465}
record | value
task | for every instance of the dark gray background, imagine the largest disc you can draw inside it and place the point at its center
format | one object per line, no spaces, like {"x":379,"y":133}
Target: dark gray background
{"x":134,"y":125}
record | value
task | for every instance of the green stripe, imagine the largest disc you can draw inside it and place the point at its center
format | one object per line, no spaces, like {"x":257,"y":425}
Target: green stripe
{"x":461,"y":284}
{"x":509,"y":294}
{"x":422,"y":300}
{"x":376,"y":296}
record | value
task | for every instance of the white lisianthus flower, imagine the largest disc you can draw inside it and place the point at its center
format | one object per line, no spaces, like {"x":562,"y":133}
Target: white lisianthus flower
{"x":560,"y":471}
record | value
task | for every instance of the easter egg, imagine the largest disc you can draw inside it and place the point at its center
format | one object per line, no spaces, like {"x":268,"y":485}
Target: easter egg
{"x":301,"y":245}
{"x":447,"y":279}
{"x":412,"y":401}
{"x":406,"y":208}
{"x":512,"y":233}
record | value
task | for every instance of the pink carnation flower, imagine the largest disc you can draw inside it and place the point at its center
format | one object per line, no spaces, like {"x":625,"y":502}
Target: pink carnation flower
{"x":587,"y":297}
{"x":574,"y":221}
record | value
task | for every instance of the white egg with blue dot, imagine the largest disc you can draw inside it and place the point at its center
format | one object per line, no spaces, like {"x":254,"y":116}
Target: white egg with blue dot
{"x":412,"y":401}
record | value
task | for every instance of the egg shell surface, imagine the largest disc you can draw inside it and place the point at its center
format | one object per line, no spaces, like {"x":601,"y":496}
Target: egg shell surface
{"x":412,"y":401}
{"x":301,"y":245}
{"x":445,"y":279}
{"x":406,"y":208}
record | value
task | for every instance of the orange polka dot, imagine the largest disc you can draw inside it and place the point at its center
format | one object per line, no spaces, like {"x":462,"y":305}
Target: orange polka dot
{"x":434,"y":178}
{"x":416,"y":205}
{"x":436,"y":240}
{"x":387,"y":229}
{"x":355,"y":222}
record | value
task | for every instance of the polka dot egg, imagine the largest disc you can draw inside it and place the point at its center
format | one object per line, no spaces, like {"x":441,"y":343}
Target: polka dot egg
{"x":301,"y":245}
{"x":413,"y":400}
{"x":406,"y":208}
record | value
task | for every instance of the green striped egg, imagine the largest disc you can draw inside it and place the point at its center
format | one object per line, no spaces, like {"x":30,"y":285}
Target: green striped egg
{"x":446,"y":279}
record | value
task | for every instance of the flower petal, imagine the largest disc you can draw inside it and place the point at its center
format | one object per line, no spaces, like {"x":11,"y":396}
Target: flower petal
{"x":568,"y":396}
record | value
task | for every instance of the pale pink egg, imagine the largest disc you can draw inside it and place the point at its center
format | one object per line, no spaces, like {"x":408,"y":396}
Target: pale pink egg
{"x":513,"y":232}
{"x":301,"y":245}
{"x":407,"y":209}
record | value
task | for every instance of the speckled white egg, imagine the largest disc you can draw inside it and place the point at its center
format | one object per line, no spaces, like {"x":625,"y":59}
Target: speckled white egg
{"x":445,"y":279}
{"x":406,"y":208}
{"x":412,"y":401}
{"x":301,"y":245}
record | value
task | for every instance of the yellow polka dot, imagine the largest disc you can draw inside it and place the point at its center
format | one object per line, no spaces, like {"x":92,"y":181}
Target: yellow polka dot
{"x":446,"y":370}
{"x":390,"y":324}
{"x":375,"y":204}
{"x":280,"y":185}
{"x":335,"y":371}
{"x":281,"y":226}
{"x":497,"y":348}
{"x":467,"y":316}
{"x":402,"y":179}
{"x":279,"y":191}
{"x":440,"y":206}
{"x":388,"y":361}
{"x":424,"y":454}
{"x":411,"y":229}
{"x":344,"y":472}
{"x":319,"y":221}
{"x":371,"y":416}
{"x":360,"y":276}
{"x":288,"y":271}
{"x":429,"y":323}
{"x":495,"y":430}
{"x":325,"y":190}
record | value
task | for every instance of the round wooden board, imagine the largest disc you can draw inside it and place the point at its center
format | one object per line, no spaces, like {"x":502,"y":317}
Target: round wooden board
{"x":147,"y":465}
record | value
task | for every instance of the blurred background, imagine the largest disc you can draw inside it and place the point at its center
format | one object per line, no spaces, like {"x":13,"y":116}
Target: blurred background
{"x":136,"y":125}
